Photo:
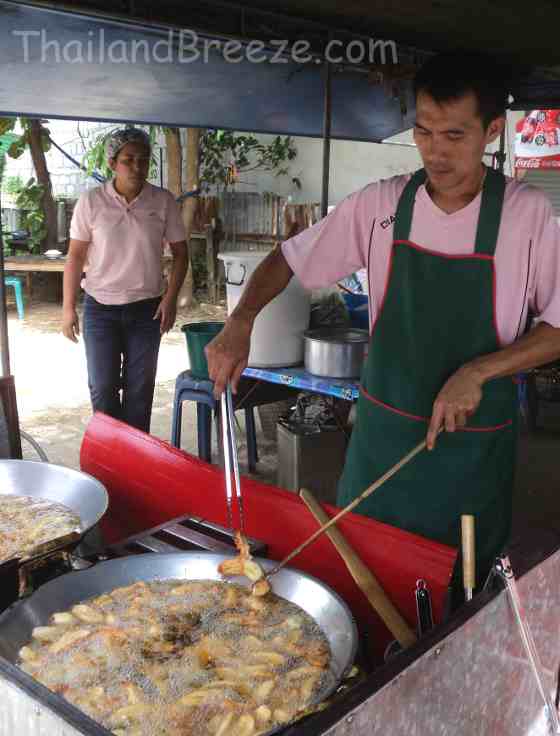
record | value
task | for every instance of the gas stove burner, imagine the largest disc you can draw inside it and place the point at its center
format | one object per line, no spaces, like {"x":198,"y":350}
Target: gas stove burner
{"x":184,"y":533}
{"x":19,"y":578}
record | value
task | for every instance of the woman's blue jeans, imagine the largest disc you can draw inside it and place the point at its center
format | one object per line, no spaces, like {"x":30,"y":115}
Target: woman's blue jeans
{"x":122,"y":345}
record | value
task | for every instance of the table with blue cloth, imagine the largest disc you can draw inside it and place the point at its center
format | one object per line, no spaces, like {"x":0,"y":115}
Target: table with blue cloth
{"x":299,"y":378}
{"x":258,"y":386}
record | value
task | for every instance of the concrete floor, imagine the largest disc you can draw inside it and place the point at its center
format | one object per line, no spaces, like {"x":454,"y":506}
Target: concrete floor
{"x":53,"y":404}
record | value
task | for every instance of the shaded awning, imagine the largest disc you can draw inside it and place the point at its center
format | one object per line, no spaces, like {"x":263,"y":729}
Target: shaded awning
{"x":58,"y":64}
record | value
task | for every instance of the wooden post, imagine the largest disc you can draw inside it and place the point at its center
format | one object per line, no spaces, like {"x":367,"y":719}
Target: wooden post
{"x":174,"y":164}
{"x":212,"y":265}
{"x":174,"y":160}
{"x":191,"y":181}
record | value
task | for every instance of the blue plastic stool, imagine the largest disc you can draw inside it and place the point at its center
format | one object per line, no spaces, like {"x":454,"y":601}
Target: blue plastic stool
{"x":189,"y":388}
{"x":17,"y":285}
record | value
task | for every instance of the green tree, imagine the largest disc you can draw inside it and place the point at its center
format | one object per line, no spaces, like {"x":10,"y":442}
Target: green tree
{"x":36,"y":194}
{"x":12,"y":184}
{"x":224,"y":155}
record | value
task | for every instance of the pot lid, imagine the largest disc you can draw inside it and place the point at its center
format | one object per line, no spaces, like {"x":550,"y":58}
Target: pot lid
{"x":338,"y":335}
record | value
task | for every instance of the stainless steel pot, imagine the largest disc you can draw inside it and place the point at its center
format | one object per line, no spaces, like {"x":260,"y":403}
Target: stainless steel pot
{"x":320,"y":602}
{"x":82,"y":493}
{"x":335,"y":352}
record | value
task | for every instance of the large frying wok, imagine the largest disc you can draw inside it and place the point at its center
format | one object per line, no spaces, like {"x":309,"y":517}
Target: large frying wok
{"x":83,"y":494}
{"x":319,"y":601}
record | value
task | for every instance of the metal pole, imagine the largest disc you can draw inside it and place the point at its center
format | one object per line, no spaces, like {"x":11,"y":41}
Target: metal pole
{"x":326,"y":140}
{"x":4,"y":344}
{"x":504,"y":570}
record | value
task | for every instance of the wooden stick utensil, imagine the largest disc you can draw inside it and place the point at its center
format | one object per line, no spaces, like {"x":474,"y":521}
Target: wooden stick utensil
{"x":364,"y":578}
{"x":352,"y":505}
{"x":469,"y":555}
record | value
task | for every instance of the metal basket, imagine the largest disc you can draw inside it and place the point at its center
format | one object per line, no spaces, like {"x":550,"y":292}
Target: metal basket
{"x":547,"y":383}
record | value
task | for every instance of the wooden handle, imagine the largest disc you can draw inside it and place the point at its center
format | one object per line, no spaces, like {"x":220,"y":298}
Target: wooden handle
{"x":352,"y":505}
{"x":469,"y":551}
{"x":365,"y":580}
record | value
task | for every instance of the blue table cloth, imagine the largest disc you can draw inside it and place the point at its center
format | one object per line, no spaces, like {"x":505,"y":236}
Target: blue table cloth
{"x":300,"y":378}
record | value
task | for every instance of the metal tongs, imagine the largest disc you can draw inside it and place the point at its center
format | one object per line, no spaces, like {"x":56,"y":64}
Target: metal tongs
{"x":231,"y":464}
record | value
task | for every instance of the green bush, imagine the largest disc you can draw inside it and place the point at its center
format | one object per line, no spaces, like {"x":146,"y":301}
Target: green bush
{"x":29,"y":200}
{"x":12,"y":185}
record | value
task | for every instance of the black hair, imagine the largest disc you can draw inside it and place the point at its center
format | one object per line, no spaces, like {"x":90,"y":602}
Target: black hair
{"x":448,"y":77}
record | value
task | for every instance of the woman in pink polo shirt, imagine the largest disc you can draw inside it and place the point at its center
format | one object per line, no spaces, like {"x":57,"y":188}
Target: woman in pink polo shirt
{"x":117,"y":235}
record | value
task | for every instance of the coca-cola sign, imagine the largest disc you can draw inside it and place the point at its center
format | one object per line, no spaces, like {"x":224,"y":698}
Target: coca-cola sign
{"x":537,"y":140}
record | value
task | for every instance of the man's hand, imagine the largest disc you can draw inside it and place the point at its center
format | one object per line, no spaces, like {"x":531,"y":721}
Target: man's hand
{"x":459,"y":398}
{"x":166,"y":313}
{"x":228,"y":354}
{"x":70,"y":324}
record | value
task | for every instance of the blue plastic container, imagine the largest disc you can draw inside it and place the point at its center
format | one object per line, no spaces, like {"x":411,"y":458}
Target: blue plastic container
{"x":358,"y":308}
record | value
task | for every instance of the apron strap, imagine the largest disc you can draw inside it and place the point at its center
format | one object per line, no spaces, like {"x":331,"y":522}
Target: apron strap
{"x":490,"y":212}
{"x":405,"y":208}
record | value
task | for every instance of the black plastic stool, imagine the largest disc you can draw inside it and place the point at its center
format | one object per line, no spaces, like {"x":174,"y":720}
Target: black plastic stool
{"x":189,"y":388}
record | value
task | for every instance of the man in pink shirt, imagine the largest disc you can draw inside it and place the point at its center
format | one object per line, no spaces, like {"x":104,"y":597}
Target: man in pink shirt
{"x":117,"y":235}
{"x":457,"y":256}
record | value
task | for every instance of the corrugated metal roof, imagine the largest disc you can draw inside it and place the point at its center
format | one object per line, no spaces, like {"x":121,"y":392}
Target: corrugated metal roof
{"x":549,"y":182}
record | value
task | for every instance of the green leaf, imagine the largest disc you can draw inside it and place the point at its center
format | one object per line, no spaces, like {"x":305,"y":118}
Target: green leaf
{"x":15,"y":150}
{"x":7,"y":124}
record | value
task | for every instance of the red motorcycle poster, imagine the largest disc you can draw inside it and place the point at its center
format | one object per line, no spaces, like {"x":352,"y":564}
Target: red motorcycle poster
{"x":537,"y":140}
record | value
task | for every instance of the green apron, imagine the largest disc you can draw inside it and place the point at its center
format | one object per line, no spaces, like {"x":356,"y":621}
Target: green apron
{"x":437,"y":314}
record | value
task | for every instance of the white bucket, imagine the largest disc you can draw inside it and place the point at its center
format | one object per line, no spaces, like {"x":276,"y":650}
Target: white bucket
{"x":277,"y":338}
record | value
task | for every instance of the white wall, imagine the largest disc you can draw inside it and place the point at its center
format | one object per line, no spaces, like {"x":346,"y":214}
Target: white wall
{"x":352,"y":165}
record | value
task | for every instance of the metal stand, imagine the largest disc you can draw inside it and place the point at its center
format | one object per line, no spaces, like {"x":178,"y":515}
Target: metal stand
{"x":505,"y":572}
{"x":4,"y":345}
{"x":327,"y":111}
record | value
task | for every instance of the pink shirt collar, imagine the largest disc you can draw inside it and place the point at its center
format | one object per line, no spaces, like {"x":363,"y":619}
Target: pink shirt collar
{"x":110,"y":188}
{"x":465,"y":211}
